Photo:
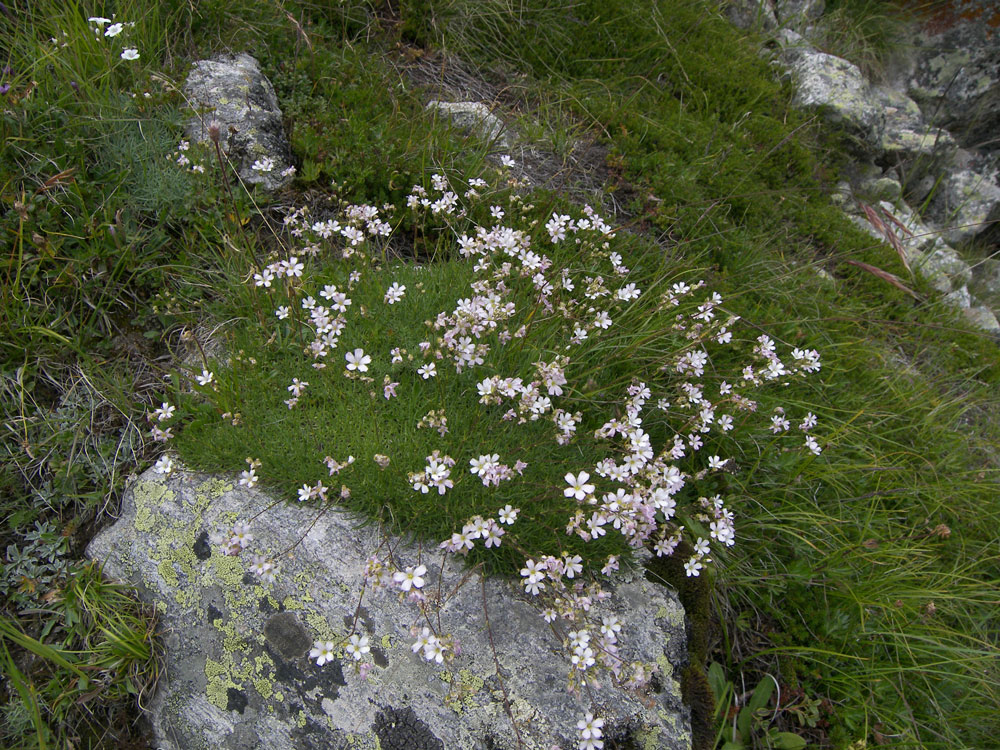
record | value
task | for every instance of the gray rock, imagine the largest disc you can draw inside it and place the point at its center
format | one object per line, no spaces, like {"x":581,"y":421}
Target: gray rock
{"x":982,"y":317}
{"x":752,"y":14}
{"x":924,"y":250}
{"x":474,"y":117}
{"x":946,"y":261}
{"x":959,"y":298}
{"x":835,"y":89}
{"x":986,"y":285}
{"x":843,"y":196}
{"x":798,"y":14}
{"x":963,"y":201}
{"x":907,"y":137}
{"x":957,"y":73}
{"x":232,"y":90}
{"x":882,"y":189}
{"x":238,"y":674}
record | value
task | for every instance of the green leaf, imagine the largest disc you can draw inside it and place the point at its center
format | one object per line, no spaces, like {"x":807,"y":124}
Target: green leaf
{"x":762,"y":694}
{"x":787,"y":741}
{"x":743,"y":723}
{"x":717,"y":680}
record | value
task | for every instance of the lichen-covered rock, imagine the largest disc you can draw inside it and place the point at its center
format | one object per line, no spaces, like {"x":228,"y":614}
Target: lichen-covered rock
{"x":956,"y":78}
{"x":924,"y":250}
{"x":232,"y":91}
{"x":962,"y":202}
{"x":906,"y":137}
{"x":798,"y":14}
{"x":474,"y":117}
{"x":752,"y":14}
{"x":834,"y":88}
{"x":238,"y":673}
{"x":959,"y":298}
{"x":982,"y":317}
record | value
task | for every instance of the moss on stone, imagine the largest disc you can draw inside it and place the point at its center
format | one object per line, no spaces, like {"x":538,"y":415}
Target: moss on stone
{"x":695,"y":594}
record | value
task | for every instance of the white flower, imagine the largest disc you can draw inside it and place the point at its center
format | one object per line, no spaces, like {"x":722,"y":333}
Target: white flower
{"x":130,"y":53}
{"x":533,"y":570}
{"x":411,"y":577}
{"x":590,"y":727}
{"x":205,"y":378}
{"x":263,"y":568}
{"x":574,"y":565}
{"x":423,"y":640}
{"x":114,"y":29}
{"x":358,"y":646}
{"x":241,"y":534}
{"x":358,"y":360}
{"x":322,"y":652}
{"x":164,"y":465}
{"x":628,"y":292}
{"x":394,"y":293}
{"x":508,"y":515}
{"x":693,"y":567}
{"x":165,"y":412}
{"x":578,"y":487}
{"x":427,"y":371}
{"x":264,"y":164}
{"x":603,"y":320}
{"x":507,"y":161}
{"x":99,"y":20}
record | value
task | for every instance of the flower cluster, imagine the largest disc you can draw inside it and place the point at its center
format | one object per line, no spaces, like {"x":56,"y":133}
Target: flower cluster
{"x":646,"y":459}
{"x":108,"y":28}
{"x":436,"y":475}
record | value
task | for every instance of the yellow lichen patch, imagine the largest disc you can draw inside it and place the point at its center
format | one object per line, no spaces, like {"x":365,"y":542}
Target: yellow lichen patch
{"x":320,"y":626}
{"x":232,"y":640}
{"x":469,"y":680}
{"x":167,"y":573}
{"x":666,"y":668}
{"x":292,"y":605}
{"x":226,"y":570}
{"x":147,"y":496}
{"x":648,"y":738}
{"x":219,"y":683}
{"x":463,"y":690}
{"x":212,"y":488}
{"x":386,"y":641}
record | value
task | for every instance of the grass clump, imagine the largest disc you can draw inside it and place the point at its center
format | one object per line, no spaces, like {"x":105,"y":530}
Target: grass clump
{"x":503,"y":352}
{"x":869,"y":33}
